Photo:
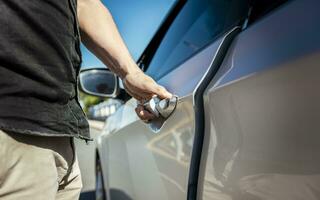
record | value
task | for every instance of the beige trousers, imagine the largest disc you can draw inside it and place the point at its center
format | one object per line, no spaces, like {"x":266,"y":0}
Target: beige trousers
{"x":38,"y":168}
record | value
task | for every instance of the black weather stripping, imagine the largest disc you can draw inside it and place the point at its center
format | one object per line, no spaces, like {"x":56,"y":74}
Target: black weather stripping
{"x":199,"y":113}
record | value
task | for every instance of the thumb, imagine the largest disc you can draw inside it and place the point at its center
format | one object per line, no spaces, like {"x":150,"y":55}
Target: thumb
{"x":162,"y":93}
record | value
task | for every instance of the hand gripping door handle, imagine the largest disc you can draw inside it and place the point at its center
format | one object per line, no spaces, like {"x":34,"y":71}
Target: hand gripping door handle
{"x":162,"y":108}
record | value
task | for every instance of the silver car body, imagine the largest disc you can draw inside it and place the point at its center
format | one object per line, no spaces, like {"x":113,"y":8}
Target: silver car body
{"x":262,"y":120}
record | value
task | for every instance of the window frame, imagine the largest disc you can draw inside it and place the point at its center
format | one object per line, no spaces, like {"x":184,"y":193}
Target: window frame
{"x":148,"y":54}
{"x":145,"y":56}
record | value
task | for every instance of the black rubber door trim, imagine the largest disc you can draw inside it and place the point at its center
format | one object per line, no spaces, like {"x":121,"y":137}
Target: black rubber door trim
{"x":198,"y":104}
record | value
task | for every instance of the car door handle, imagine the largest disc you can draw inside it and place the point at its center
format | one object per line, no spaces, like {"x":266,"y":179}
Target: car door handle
{"x":161,"y":107}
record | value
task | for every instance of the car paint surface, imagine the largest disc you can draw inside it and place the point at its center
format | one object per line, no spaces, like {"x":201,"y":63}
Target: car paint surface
{"x":145,"y":165}
{"x":262,"y":120}
{"x":263,"y":112}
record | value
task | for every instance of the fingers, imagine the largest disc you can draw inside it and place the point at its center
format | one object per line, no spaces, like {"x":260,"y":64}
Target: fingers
{"x":138,"y":94}
{"x":144,"y":87}
{"x":154,"y":89}
{"x":133,"y":94}
{"x":162,"y":92}
{"x":150,"y":88}
{"x":144,"y":114}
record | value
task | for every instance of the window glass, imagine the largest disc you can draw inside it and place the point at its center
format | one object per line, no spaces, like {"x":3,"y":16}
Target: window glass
{"x":262,"y":7}
{"x":199,"y":23}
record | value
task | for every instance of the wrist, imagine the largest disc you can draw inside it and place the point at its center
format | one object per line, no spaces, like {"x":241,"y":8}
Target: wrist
{"x":128,"y":69}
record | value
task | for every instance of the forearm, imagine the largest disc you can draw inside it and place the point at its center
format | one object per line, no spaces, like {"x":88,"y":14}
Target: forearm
{"x":100,"y":35}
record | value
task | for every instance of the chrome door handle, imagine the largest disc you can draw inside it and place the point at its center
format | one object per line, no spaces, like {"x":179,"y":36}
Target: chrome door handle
{"x":161,"y":107}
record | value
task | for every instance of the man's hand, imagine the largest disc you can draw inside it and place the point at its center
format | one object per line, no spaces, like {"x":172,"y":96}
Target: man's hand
{"x":143,"y":88}
{"x":106,"y":43}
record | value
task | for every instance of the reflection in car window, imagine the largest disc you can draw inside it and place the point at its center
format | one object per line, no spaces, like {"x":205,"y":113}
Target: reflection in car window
{"x":199,"y":23}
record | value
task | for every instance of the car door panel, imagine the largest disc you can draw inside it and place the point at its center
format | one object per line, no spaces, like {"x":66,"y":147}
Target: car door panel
{"x":262,"y":111}
{"x":183,"y":80}
{"x":157,"y":165}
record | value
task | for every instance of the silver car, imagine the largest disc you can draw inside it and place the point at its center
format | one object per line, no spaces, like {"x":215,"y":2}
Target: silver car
{"x":245,"y":124}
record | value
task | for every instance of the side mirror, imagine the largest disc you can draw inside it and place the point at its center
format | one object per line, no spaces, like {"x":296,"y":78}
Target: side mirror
{"x":99,"y":82}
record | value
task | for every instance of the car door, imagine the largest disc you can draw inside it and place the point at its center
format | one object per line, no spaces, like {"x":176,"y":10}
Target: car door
{"x":262,"y":110}
{"x":144,"y":163}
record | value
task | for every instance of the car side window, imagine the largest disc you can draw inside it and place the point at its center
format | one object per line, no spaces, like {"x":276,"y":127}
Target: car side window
{"x":198,"y":23}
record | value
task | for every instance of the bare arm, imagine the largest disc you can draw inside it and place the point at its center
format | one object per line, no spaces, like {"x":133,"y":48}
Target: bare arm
{"x":100,"y":35}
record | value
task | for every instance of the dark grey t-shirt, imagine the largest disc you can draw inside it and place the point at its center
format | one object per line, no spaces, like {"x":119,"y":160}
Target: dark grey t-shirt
{"x":39,"y":64}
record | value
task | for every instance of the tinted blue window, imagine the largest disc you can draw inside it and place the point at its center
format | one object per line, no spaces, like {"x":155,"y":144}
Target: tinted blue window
{"x":199,"y":23}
